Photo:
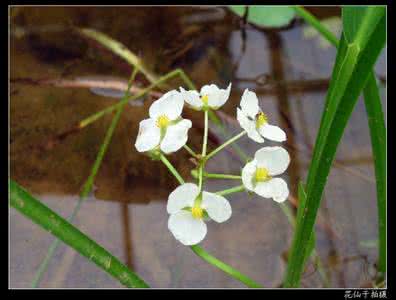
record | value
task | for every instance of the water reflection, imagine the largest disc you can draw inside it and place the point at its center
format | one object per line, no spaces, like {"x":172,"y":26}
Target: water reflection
{"x":127,"y":213}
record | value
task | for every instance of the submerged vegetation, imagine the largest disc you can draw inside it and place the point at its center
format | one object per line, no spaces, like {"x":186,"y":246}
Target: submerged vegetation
{"x":167,"y":129}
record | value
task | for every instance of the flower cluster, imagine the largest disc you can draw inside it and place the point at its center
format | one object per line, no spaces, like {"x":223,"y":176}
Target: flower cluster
{"x":165,"y":131}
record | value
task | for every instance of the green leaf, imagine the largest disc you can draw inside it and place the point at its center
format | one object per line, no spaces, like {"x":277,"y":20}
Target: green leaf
{"x":377,"y":128}
{"x":376,"y":122}
{"x":26,"y":204}
{"x":302,"y":200}
{"x":352,"y":16}
{"x":353,"y":64}
{"x":266,"y":16}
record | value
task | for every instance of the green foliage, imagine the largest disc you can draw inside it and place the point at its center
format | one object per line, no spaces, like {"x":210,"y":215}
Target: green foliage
{"x":266,"y":16}
{"x":21,"y":200}
{"x":352,"y":67}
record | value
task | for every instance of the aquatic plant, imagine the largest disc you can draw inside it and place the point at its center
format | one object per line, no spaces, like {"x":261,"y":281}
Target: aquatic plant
{"x":190,"y":205}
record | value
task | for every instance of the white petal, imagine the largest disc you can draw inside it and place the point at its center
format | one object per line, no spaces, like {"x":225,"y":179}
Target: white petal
{"x":217,"y":207}
{"x":247,"y":174}
{"x":275,"y":188}
{"x":148,"y":136}
{"x":170,"y":105}
{"x":273,"y":133}
{"x":176,"y":136}
{"x":249,"y":104}
{"x":216,"y":97}
{"x":220,"y":99}
{"x":274,"y":159}
{"x":183,"y":196}
{"x":192,"y":98}
{"x":249,"y":126}
{"x":186,"y":229}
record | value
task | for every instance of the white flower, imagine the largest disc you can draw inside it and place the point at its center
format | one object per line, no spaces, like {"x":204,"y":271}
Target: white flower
{"x":165,"y":128}
{"x":257,"y":175}
{"x":209,"y":97}
{"x":255,"y":122}
{"x":188,"y":209}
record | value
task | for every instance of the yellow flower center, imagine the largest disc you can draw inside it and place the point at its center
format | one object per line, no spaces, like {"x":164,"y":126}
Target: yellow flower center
{"x":261,"y":119}
{"x":163,"y":121}
{"x":262,"y":175}
{"x":197,"y":212}
{"x":205,"y":99}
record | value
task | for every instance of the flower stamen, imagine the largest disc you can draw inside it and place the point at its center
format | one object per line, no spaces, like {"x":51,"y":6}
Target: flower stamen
{"x":197,"y":212}
{"x":162,"y":121}
{"x":262,"y":175}
{"x":205,"y":99}
{"x":261,"y":119}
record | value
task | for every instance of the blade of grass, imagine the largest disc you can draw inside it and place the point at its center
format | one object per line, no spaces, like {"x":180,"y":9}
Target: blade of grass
{"x":40,"y":214}
{"x":378,"y":144}
{"x":87,"y":187}
{"x":119,"y":49}
{"x":353,"y":64}
{"x":375,"y":115}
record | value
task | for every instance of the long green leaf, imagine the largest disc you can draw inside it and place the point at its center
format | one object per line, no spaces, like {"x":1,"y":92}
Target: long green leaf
{"x":302,"y":201}
{"x":353,"y":64}
{"x":372,"y":100}
{"x":21,"y":200}
{"x":378,"y":144}
{"x":119,"y":49}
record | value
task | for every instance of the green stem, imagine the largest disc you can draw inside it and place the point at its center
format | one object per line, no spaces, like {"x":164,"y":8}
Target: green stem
{"x":311,"y":19}
{"x":224,"y":267}
{"x":189,"y":150}
{"x":221,"y":176}
{"x":204,"y":146}
{"x":221,"y":147}
{"x":142,"y":93}
{"x":87,"y":185}
{"x":236,"y":189}
{"x":170,"y":167}
{"x":40,"y":214}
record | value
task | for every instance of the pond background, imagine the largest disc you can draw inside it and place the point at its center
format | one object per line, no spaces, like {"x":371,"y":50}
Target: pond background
{"x":126,"y":213}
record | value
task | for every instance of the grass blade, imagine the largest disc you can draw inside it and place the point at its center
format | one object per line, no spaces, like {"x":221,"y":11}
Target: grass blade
{"x":118,"y":49}
{"x":376,"y":122}
{"x":21,"y":200}
{"x":353,"y":64}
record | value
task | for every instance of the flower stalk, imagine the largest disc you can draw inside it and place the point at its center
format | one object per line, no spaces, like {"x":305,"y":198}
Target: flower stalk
{"x":225,"y":144}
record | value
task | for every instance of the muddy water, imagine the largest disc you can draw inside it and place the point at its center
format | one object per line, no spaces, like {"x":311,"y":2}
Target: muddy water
{"x":126,"y":213}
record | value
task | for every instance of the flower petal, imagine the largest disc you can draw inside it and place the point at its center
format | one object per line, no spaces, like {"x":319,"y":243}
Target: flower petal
{"x":183,"y":196}
{"x":275,"y":159}
{"x":217,"y":207}
{"x":170,"y":105}
{"x":216,"y":97}
{"x":273,"y":133}
{"x":192,"y":98}
{"x":222,"y":96}
{"x":176,"y":136}
{"x":249,"y":126}
{"x":249,"y":104}
{"x":186,"y":229}
{"x":247,"y":174}
{"x":148,"y":136}
{"x":275,"y":188}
